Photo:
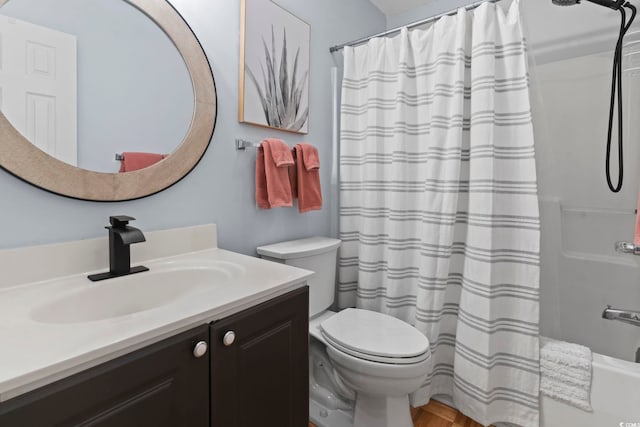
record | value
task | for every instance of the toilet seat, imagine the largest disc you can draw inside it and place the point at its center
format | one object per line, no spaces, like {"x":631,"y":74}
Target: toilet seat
{"x":375,"y":337}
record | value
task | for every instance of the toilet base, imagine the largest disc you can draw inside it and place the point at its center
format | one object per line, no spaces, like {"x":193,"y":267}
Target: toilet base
{"x":323,"y":417}
{"x":382,"y":411}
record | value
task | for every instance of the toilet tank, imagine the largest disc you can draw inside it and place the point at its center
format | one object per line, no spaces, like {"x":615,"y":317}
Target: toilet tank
{"x":317,"y":254}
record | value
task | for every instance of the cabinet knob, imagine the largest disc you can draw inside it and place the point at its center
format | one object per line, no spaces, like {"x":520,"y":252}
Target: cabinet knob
{"x":229,"y":338}
{"x":200,"y":349}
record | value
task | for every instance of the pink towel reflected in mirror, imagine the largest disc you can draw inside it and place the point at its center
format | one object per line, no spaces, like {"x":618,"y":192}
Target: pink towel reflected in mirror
{"x":133,"y":161}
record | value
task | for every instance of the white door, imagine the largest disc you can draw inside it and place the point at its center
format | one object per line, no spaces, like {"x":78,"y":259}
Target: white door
{"x":38,"y":86}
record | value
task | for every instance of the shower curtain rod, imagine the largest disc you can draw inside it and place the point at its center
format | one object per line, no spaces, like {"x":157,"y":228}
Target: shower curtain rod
{"x":412,"y":25}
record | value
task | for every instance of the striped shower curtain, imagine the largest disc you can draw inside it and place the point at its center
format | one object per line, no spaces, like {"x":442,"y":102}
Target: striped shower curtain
{"x":439,"y":208}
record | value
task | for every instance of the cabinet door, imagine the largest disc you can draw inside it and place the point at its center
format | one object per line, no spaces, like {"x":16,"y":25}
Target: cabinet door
{"x":262,"y":378}
{"x":160,"y":385}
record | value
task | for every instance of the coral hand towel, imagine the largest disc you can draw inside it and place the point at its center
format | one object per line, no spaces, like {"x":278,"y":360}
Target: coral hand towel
{"x":273,"y":189}
{"x":308,"y":178}
{"x":262,"y":199}
{"x":280,"y":152}
{"x":134,"y":161}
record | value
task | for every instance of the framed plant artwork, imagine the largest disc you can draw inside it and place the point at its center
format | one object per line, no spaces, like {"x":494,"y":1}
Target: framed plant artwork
{"x":274,"y":68}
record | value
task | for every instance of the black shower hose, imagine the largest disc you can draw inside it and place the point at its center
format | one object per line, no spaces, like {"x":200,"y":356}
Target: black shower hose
{"x":616,"y":87}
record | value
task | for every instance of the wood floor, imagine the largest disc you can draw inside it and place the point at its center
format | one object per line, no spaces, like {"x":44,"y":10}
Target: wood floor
{"x":436,"y":414}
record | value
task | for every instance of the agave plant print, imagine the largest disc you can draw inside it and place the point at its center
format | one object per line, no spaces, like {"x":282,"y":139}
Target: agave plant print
{"x":274,"y":68}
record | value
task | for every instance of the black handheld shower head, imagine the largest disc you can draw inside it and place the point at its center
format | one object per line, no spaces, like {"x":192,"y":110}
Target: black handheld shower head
{"x":612,"y":4}
{"x":565,"y":2}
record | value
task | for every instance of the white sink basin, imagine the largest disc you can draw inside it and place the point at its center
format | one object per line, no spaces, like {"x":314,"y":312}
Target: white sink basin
{"x":122,"y":296}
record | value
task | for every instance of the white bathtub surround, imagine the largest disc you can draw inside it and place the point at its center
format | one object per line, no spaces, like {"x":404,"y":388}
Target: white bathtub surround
{"x":439,"y":210}
{"x":565,"y":371}
{"x":58,"y":326}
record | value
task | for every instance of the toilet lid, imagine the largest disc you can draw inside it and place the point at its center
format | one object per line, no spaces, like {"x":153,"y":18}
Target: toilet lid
{"x":367,"y":333}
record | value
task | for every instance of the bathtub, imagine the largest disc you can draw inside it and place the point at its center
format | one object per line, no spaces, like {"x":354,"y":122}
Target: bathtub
{"x":615,"y":398}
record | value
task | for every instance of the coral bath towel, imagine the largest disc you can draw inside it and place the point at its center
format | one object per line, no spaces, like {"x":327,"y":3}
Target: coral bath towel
{"x":273,"y":189}
{"x":134,"y":161}
{"x":307,"y":178}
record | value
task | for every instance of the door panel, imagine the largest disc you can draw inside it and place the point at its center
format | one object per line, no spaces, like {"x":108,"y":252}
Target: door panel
{"x":162,"y":385}
{"x":263,"y":377}
{"x":38,"y":83}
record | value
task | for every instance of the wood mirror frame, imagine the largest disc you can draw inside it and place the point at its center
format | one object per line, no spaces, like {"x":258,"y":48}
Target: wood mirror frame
{"x":21,"y":158}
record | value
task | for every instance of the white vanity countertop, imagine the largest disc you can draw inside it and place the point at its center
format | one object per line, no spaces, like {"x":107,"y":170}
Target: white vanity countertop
{"x":34,"y":352}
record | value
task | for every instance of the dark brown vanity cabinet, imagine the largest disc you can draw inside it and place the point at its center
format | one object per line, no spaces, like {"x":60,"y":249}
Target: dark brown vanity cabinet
{"x":165,"y":384}
{"x":190,"y":380}
{"x":260,"y":365}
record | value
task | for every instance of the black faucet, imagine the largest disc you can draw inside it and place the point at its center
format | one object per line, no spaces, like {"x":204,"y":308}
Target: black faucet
{"x":121,"y":237}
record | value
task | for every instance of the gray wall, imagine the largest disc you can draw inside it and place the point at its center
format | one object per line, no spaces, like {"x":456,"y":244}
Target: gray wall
{"x":221,"y":189}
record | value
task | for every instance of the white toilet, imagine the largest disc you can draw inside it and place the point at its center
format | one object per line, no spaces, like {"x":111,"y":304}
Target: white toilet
{"x":374,"y":359}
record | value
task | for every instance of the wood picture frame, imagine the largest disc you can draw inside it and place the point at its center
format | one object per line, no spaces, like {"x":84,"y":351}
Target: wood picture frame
{"x":274,"y":67}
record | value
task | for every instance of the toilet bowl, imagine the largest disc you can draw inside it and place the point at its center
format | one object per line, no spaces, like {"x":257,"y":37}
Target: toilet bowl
{"x":331,"y":401}
{"x":362,"y":359}
{"x":382,"y":359}
{"x":382,"y":390}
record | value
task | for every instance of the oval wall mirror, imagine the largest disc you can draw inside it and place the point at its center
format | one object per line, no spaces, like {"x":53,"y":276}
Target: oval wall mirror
{"x":83,"y":81}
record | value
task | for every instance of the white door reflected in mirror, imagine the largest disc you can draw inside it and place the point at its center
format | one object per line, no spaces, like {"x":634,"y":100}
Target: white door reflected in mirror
{"x":38,"y":86}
